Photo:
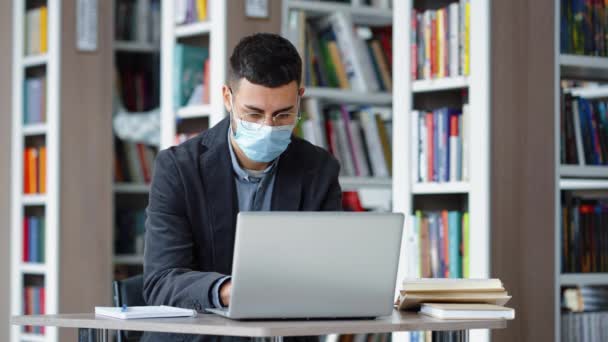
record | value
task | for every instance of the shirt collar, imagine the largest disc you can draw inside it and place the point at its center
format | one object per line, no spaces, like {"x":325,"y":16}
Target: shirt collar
{"x":244,"y":173}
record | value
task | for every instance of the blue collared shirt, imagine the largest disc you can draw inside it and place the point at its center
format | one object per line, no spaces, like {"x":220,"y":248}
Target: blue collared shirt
{"x":254,"y":193}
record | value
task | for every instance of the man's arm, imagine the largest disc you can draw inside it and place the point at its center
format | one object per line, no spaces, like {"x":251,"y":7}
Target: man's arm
{"x":169,"y":278}
{"x":333,"y":199}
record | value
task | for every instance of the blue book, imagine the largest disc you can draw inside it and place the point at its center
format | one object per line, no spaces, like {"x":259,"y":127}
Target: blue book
{"x":33,"y":226}
{"x":455,"y":238}
{"x":436,"y":141}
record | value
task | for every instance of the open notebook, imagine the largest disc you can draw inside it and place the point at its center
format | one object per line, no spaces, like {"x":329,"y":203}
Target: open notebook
{"x":134,"y":312}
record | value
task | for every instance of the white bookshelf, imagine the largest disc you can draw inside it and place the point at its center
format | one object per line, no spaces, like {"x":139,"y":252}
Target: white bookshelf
{"x":581,"y":178}
{"x":49,"y":201}
{"x":477,"y":188}
{"x":214,"y":28}
{"x":363,"y":15}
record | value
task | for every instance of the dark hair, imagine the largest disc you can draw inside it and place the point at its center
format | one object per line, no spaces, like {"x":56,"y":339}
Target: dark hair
{"x":265,"y":59}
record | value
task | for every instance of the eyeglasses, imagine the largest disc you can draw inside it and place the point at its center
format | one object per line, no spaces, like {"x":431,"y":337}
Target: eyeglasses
{"x":255,"y":121}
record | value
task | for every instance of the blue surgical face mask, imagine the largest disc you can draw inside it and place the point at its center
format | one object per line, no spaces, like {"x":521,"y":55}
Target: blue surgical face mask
{"x":262,"y":143}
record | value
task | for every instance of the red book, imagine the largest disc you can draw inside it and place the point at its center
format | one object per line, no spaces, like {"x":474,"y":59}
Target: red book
{"x":430,"y":147}
{"x":42,"y":306}
{"x":141,"y":154}
{"x":385,"y":35}
{"x":351,"y":201}
{"x":454,"y":126}
{"x":414,"y":45}
{"x":434,"y":45}
{"x":446,"y":244}
{"x":26,"y":240}
{"x":331,"y":138}
{"x":27,"y":309}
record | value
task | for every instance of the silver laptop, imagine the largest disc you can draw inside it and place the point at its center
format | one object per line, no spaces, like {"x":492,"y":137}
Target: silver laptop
{"x":291,"y":265}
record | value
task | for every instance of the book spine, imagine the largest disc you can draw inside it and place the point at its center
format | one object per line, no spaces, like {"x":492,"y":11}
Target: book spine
{"x":455,"y":231}
{"x":466,"y":246}
{"x":413,"y":45}
{"x":454,"y":37}
{"x":454,"y":149}
{"x":26,"y":239}
{"x":422,"y":147}
{"x":430,"y":137}
{"x":467,"y":38}
{"x":445,"y":243}
{"x":415,"y":147}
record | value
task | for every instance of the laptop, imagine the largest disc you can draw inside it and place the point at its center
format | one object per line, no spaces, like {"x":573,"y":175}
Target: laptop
{"x":304,"y":265}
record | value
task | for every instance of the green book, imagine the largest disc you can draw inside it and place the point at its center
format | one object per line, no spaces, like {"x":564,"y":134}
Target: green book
{"x":465,"y":245}
{"x":188,"y":67}
{"x":332,"y":78}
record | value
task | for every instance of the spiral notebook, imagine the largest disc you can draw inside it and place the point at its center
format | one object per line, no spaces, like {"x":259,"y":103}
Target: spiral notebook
{"x":136,"y":312}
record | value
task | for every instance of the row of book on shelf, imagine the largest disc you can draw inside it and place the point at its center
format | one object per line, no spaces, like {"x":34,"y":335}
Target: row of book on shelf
{"x":34,"y":304}
{"x":138,"y":21}
{"x":33,"y":239}
{"x":137,"y":81}
{"x":584,"y":233}
{"x":584,"y":327}
{"x":584,"y":130}
{"x":34,"y":101}
{"x":191,"y":75}
{"x":440,"y":244}
{"x":439,"y":145}
{"x":359,"y":137}
{"x":133,"y":162}
{"x":190,"y":11}
{"x":440,"y":41}
{"x":339,"y":54}
{"x":129,"y":234}
{"x":36,"y":28}
{"x":34,"y":167}
{"x":583,"y":27}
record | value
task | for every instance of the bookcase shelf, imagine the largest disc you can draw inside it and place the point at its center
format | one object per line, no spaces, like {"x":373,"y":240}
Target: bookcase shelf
{"x":584,"y":279}
{"x":577,"y":171}
{"x":133,"y":46}
{"x":33,"y":268}
{"x":439,"y":84}
{"x":583,"y":184}
{"x":356,"y":183}
{"x":24,"y":337}
{"x":34,"y":129}
{"x":440,"y":188}
{"x":196,"y":29}
{"x":583,"y":66}
{"x":192,"y":112}
{"x":131,"y":188}
{"x":361,"y":14}
{"x":30,"y":200}
{"x":124,"y":259}
{"x":333,"y":95}
{"x":35,"y":60}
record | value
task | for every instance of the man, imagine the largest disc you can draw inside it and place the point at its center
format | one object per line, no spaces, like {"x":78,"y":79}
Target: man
{"x":248,"y":162}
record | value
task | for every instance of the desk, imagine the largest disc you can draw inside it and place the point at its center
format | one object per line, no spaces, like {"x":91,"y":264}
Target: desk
{"x":206,"y":324}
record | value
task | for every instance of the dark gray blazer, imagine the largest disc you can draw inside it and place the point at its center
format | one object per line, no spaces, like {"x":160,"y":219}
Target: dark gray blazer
{"x":190,"y":229}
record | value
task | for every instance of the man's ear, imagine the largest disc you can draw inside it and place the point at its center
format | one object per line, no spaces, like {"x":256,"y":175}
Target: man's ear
{"x":226,"y":95}
{"x":301,"y":91}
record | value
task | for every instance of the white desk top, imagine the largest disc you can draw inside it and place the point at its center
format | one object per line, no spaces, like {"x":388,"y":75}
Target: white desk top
{"x":206,"y":324}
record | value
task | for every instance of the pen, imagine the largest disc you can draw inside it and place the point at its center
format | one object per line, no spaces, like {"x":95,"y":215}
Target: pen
{"x":124,"y":308}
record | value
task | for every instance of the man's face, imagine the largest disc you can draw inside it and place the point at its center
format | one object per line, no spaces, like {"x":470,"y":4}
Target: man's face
{"x":253,"y":99}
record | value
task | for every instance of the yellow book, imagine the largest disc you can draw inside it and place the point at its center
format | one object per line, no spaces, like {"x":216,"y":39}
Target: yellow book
{"x":43,"y":29}
{"x":42,"y":170}
{"x":201,"y":9}
{"x":334,"y":54}
{"x":467,"y":38}
{"x":440,"y":27}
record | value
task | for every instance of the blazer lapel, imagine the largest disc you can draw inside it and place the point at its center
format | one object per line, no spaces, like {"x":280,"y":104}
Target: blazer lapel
{"x":287,"y":193}
{"x":220,"y":195}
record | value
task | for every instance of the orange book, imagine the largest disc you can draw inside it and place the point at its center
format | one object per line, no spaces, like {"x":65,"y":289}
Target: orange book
{"x":30,"y":171}
{"x":26,"y":172}
{"x":42,"y":170}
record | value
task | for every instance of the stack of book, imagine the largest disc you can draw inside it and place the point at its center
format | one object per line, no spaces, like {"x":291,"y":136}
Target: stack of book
{"x":584,"y":27}
{"x":138,"y":21}
{"x":440,"y":41}
{"x":584,"y":131}
{"x":455,"y":298}
{"x":339,"y":54}
{"x":192,"y":72}
{"x":34,"y":304}
{"x":190,"y":11}
{"x":36,"y":28}
{"x":585,"y":299}
{"x":360,"y":137}
{"x":34,"y":167}
{"x":34,"y":103}
{"x":33,"y":239}
{"x":584,"y":234}
{"x":134,"y":163}
{"x":130,"y":228}
{"x":440,"y":145}
{"x":442,"y":239}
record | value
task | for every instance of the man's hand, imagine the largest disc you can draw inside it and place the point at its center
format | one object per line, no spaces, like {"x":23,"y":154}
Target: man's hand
{"x":225,"y":293}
